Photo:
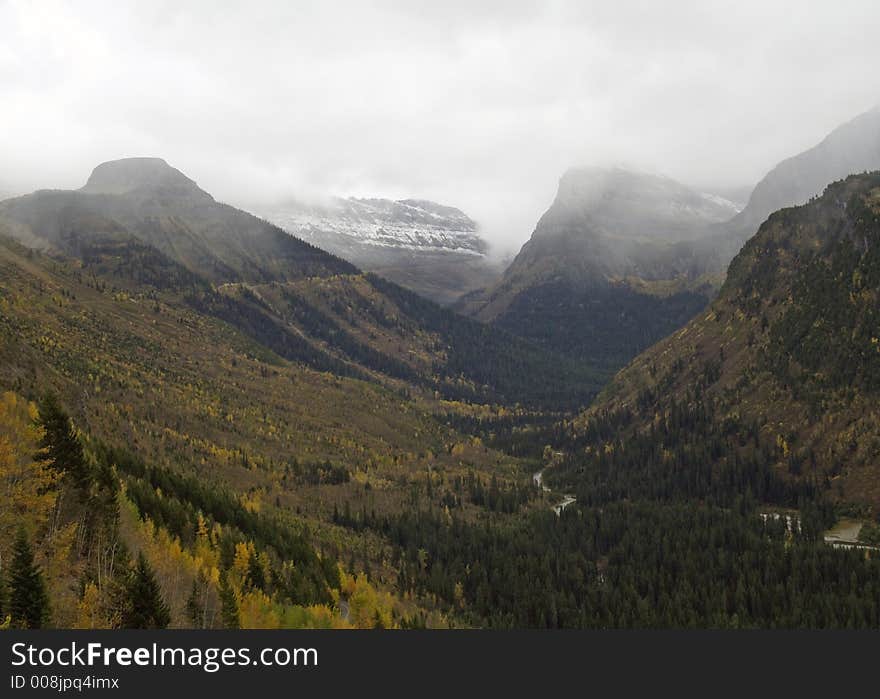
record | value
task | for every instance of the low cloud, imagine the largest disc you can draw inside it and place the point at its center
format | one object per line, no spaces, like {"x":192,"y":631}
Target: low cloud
{"x":479,"y":108}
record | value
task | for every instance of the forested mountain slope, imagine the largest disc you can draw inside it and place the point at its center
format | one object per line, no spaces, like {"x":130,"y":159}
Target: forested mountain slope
{"x":708,"y":472}
{"x":783,"y":369}
{"x":305,"y":449}
{"x":195,"y":444}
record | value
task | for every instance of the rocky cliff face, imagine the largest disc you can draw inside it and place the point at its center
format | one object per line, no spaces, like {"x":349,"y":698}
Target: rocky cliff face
{"x":432,"y":249}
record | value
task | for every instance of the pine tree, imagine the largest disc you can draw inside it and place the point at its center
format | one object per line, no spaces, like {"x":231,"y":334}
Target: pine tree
{"x":28,"y":604}
{"x":61,"y":445}
{"x":255,"y":575}
{"x":193,"y":608}
{"x":228,"y":605}
{"x":144,"y":607}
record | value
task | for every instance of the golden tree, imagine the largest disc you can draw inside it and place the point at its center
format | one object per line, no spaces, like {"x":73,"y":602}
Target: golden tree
{"x":27,"y":493}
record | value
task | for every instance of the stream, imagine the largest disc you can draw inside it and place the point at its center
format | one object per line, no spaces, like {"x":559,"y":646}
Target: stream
{"x":538,"y":479}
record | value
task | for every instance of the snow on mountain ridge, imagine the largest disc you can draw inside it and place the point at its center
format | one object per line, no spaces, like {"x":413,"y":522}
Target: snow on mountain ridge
{"x":408,"y":224}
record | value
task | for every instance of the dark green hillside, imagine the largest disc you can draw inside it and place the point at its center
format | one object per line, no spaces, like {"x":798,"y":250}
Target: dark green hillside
{"x":782,"y":368}
{"x":513,"y":370}
{"x":605,"y":325}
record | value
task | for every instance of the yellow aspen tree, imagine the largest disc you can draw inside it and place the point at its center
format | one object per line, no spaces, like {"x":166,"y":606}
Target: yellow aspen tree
{"x":88,"y":610}
{"x":27,"y":493}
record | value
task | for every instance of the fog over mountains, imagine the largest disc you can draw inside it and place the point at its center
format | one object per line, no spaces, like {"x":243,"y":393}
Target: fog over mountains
{"x":632,"y":204}
{"x":610,"y":268}
{"x":165,"y":214}
{"x":622,"y":258}
{"x":851,"y":148}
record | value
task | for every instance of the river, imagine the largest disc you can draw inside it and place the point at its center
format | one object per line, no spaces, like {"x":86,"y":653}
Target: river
{"x":538,"y":479}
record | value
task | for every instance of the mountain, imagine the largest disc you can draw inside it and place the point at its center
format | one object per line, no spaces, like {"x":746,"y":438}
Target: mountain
{"x":432,"y":249}
{"x":147,"y":200}
{"x":774,"y":388}
{"x":610,"y":268}
{"x":851,"y":148}
{"x":700,"y":488}
{"x":147,"y":227}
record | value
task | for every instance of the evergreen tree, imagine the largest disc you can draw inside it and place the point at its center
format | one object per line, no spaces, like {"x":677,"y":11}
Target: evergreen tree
{"x":28,"y":604}
{"x":228,"y":605}
{"x":255,"y":574}
{"x":145,"y":608}
{"x":61,"y":444}
{"x":193,"y":608}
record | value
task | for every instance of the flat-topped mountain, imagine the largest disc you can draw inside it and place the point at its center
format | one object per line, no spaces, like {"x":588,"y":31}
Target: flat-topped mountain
{"x":610,"y":267}
{"x":410,"y":224}
{"x":628,"y":204}
{"x":610,"y":224}
{"x":433,"y":249}
{"x":147,"y":176}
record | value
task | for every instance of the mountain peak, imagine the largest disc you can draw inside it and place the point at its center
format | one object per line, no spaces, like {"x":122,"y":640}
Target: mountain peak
{"x":852,"y":147}
{"x":141,"y":175}
{"x":630,"y":203}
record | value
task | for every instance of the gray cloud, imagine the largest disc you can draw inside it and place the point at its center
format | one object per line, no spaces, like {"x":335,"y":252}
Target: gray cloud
{"x":480,"y":107}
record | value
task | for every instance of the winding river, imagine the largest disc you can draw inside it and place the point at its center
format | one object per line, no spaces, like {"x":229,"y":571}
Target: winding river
{"x":538,"y":479}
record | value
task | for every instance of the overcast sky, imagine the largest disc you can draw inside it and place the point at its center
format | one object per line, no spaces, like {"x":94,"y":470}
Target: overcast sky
{"x":476,"y":104}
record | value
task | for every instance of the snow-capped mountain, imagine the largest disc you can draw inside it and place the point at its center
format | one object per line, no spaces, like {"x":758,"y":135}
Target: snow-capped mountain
{"x":433,"y":249}
{"x":409,"y":224}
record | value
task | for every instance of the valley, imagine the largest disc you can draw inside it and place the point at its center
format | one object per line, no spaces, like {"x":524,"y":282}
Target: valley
{"x":276,"y":438}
